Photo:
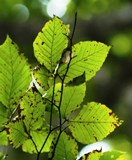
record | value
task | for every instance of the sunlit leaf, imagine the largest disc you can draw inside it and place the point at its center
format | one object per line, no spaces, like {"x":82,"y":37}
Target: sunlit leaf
{"x":72,"y":98}
{"x":113,"y":155}
{"x":51,"y":115}
{"x":50,"y":43}
{"x":42,"y":77}
{"x":38,"y":138}
{"x":17,"y":133}
{"x":66,"y":148}
{"x":56,"y":88}
{"x":94,"y":122}
{"x":19,"y":136}
{"x":3,"y":114}
{"x":98,"y":155}
{"x":87,"y":57}
{"x":14,"y":74}
{"x":94,"y":155}
{"x":33,"y":110}
{"x":33,"y":129}
{"x":3,"y":138}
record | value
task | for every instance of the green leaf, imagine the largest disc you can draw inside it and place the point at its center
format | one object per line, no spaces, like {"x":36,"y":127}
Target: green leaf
{"x":66,"y":148}
{"x":38,"y":138}
{"x":3,"y":138}
{"x":94,"y":122}
{"x":50,"y":43}
{"x":113,"y":155}
{"x":17,"y":134}
{"x":87,"y":57}
{"x":14,"y":74}
{"x":72,"y":98}
{"x":42,"y":77}
{"x":98,"y":155}
{"x":30,"y":130}
{"x":33,"y":110}
{"x":3,"y":115}
{"x":57,"y":89}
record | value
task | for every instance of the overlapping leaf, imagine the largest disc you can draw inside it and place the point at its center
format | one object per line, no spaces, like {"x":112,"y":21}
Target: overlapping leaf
{"x":42,"y":77}
{"x":30,"y":130}
{"x":94,"y":122}
{"x":50,"y":43}
{"x":38,"y":139}
{"x":33,"y":111}
{"x":87,"y":57}
{"x":66,"y":148}
{"x":14,"y":74}
{"x":31,"y":141}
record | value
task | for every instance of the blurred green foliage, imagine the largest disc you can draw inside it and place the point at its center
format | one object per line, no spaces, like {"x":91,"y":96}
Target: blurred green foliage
{"x":89,"y":8}
{"x":108,"y":21}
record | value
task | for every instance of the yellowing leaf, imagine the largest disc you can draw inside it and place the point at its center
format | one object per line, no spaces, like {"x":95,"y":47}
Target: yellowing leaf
{"x":94,"y":122}
{"x":33,"y":110}
{"x":50,"y":43}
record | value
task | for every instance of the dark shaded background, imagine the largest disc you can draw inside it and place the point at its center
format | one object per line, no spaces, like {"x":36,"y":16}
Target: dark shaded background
{"x":107,"y":21}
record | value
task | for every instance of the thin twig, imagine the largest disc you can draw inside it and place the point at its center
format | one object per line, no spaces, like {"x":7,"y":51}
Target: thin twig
{"x":62,"y":87}
{"x":25,"y":129}
{"x":74,"y":27}
{"x":61,"y":96}
{"x":51,"y":102}
{"x":51,"y":114}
